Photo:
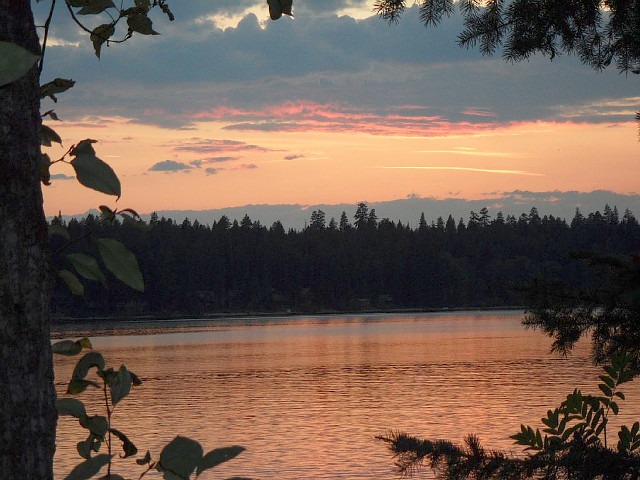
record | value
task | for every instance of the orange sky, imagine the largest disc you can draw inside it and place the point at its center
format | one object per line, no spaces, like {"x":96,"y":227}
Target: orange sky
{"x":451,"y":160}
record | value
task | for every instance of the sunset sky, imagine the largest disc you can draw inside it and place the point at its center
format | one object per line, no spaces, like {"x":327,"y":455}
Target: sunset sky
{"x":227,"y":108}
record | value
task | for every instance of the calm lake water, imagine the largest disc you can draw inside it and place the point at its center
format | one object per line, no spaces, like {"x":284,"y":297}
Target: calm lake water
{"x":307,"y":395}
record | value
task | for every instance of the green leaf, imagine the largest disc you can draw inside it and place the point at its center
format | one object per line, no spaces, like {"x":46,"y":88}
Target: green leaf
{"x":218,"y":456}
{"x":95,"y":7}
{"x":180,"y":457}
{"x":15,"y":62}
{"x":59,"y":230}
{"x":127,"y":445}
{"x":88,"y":361}
{"x":121,"y":262}
{"x":48,"y":135}
{"x":97,"y":425}
{"x":605,"y":389}
{"x":85,"y":447}
{"x":615,"y":408}
{"x":140,"y":23}
{"x":87,"y":267}
{"x":100,"y":35}
{"x":95,"y":174}
{"x":121,"y":385}
{"x":89,"y":468}
{"x":71,"y":406}
{"x":66,"y":347}
{"x":84,"y":147}
{"x":145,"y":459}
{"x":279,"y":7}
{"x":59,"y":85}
{"x":72,"y":282}
{"x":608,"y":380}
{"x":613,"y":373}
{"x":78,"y":386}
{"x":620,"y":395}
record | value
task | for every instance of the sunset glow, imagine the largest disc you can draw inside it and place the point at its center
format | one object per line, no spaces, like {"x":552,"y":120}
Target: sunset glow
{"x":327,"y":122}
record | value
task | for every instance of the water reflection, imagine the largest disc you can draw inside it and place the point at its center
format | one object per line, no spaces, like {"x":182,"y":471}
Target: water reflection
{"x":307,"y":395}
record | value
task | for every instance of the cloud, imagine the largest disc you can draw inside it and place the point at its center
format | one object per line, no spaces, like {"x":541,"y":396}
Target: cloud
{"x":196,"y":145}
{"x":211,"y":171}
{"x":61,"y":176}
{"x":321,"y":58}
{"x":169,"y":166}
{"x":293,"y":157}
{"x":246,"y":166}
{"x":219,"y":159}
{"x":466,"y":169}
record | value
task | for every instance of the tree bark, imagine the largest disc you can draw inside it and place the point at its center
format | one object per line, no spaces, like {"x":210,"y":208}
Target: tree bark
{"x":27,"y":395}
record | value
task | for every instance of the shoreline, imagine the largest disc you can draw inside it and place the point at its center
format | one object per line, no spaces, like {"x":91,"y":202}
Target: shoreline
{"x":245,"y":314}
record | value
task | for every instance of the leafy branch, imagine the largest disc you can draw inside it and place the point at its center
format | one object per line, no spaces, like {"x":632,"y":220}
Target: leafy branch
{"x":571,"y":445}
{"x":178,"y":460}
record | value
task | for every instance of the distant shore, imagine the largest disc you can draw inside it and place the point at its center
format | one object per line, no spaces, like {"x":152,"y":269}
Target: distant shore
{"x":285,"y":313}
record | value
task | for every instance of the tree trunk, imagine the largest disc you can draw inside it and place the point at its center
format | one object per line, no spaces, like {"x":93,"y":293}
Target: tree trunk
{"x":27,"y":395}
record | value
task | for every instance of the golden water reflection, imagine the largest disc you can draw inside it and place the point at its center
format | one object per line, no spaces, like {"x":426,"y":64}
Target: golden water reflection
{"x":307,"y":395}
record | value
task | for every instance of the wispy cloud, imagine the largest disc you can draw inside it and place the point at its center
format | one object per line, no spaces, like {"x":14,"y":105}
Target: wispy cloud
{"x":470,"y":152}
{"x":303,"y":116}
{"x":479,"y":112}
{"x":196,"y":145}
{"x":466,"y":169}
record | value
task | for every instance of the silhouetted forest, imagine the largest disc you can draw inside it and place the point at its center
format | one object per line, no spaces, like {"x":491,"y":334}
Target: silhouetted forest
{"x":352,"y":263}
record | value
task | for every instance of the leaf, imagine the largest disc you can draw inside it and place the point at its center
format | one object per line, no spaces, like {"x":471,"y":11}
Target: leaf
{"x":89,"y":468}
{"x":121,"y":386}
{"x":50,"y":89}
{"x":620,"y":395}
{"x":611,"y":371}
{"x":85,"y":447}
{"x":45,"y":174}
{"x":145,"y":459}
{"x":15,"y":62}
{"x":615,"y":408}
{"x":97,"y":424}
{"x":180,"y":457}
{"x":605,"y":389}
{"x":71,"y":406}
{"x":84,"y":147}
{"x":96,"y":7}
{"x":95,"y":174}
{"x":140,"y":23}
{"x":279,"y":7}
{"x":87,"y":267}
{"x":66,"y":347}
{"x":127,"y":445}
{"x":78,"y":386}
{"x":88,"y":361}
{"x":72,"y":282}
{"x":48,"y":135}
{"x":60,"y":230}
{"x":608,"y":380}
{"x":218,"y":456}
{"x":100,"y":35}
{"x":121,"y":262}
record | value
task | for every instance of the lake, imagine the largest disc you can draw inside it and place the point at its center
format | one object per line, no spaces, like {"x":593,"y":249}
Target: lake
{"x":307,"y":395}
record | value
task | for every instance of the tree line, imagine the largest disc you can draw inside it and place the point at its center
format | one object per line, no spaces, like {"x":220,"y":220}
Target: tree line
{"x":339,"y":265}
